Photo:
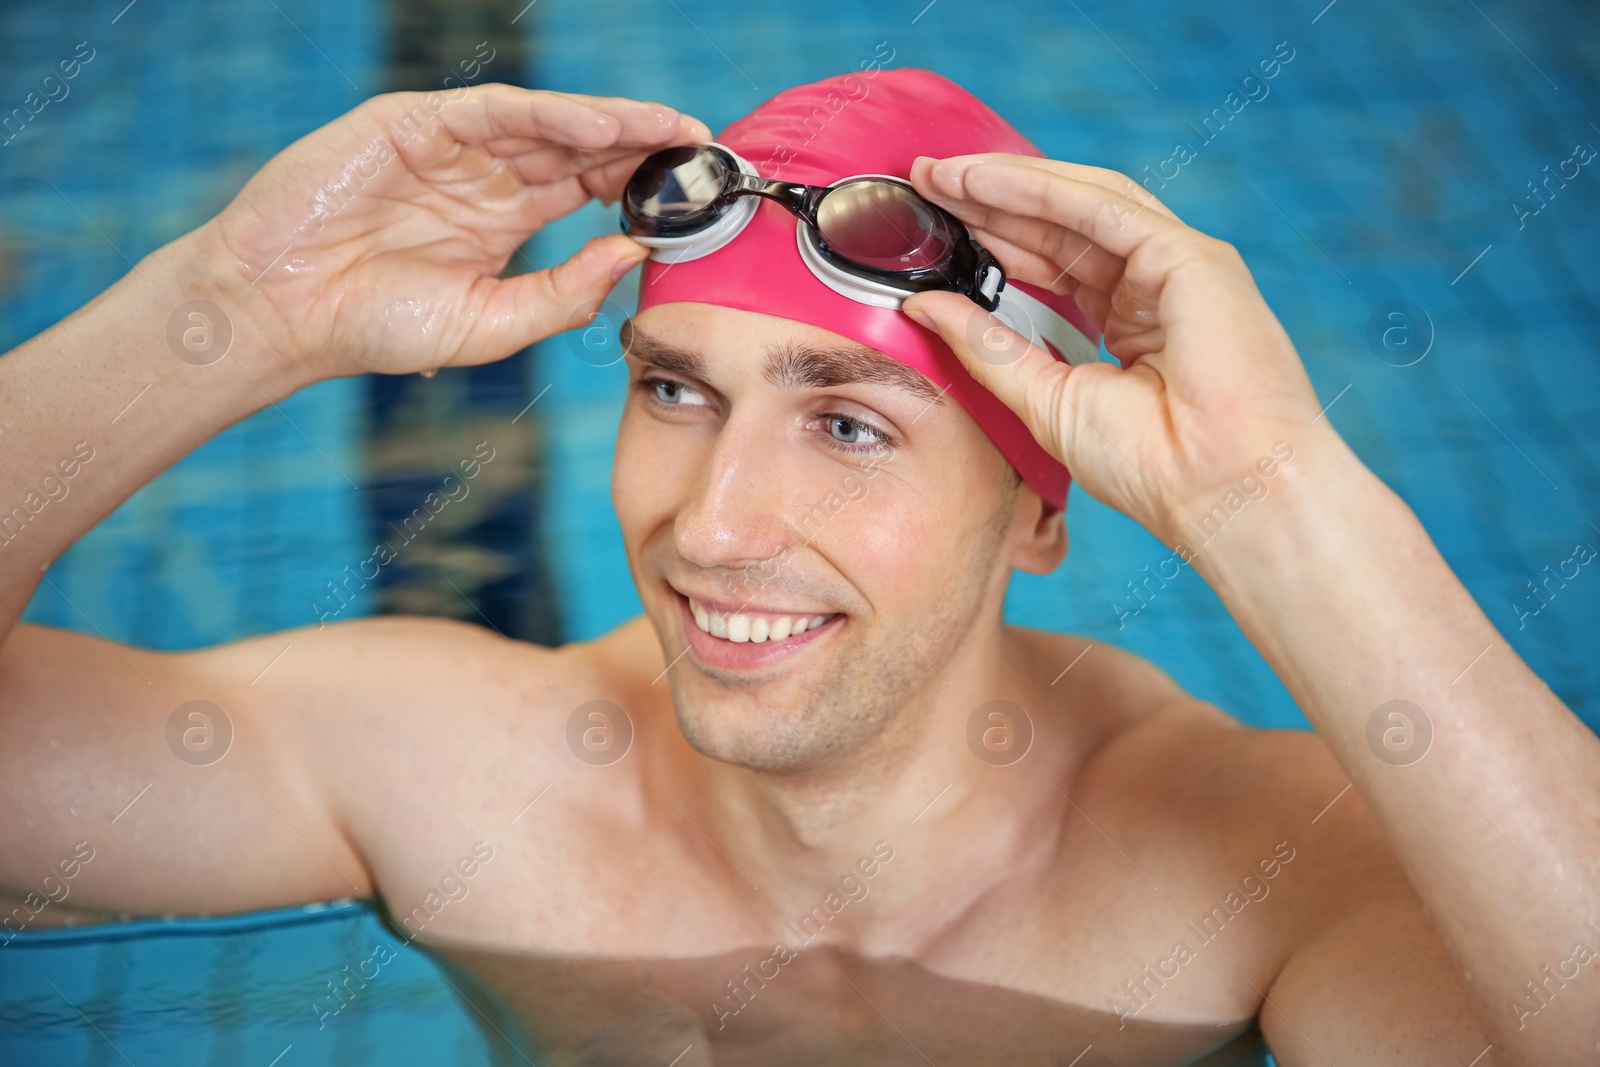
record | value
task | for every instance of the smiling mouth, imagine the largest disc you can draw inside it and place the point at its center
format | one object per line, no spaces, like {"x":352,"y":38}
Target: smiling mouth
{"x":753,"y":627}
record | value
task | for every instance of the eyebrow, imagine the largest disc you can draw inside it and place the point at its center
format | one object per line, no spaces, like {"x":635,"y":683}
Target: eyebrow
{"x":792,"y":366}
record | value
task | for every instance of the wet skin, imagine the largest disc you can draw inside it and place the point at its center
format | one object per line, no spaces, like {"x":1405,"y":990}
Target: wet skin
{"x":1147,"y":879}
{"x":1026,"y":911}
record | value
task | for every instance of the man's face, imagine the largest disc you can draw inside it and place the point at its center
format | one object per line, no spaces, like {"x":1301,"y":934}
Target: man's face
{"x":772,"y":475}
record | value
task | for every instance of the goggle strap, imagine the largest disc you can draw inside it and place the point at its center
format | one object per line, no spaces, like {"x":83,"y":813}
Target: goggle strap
{"x":1040,"y":323}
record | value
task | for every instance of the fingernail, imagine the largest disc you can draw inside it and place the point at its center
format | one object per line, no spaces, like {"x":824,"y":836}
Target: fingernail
{"x":920,"y":317}
{"x":947,"y":176}
{"x":626,"y":264}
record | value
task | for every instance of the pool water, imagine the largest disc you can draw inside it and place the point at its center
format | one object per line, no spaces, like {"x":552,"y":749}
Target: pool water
{"x":1389,"y":160}
{"x":325,"y":985}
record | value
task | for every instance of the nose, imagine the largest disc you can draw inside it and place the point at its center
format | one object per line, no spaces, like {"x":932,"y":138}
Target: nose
{"x":733,"y":518}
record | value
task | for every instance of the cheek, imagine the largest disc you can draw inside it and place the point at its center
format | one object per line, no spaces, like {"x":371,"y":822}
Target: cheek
{"x":891,"y":545}
{"x":646,"y":475}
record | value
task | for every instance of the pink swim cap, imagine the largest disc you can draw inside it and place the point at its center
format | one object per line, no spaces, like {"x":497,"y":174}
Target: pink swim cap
{"x":868,"y":123}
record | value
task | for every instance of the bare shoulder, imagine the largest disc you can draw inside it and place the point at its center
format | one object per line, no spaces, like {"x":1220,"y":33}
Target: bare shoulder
{"x":1260,"y":833}
{"x":431,"y":695}
{"x":311,"y":763}
{"x":1210,"y":799}
{"x":1151,"y":738}
{"x":461,"y":756}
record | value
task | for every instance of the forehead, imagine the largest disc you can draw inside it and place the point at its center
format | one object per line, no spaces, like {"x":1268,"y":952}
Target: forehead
{"x":694,"y":339}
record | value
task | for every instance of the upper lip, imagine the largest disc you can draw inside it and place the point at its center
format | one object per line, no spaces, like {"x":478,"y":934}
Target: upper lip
{"x":729,"y":607}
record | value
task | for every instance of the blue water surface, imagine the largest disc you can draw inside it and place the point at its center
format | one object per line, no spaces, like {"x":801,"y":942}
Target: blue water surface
{"x":1387,"y":163}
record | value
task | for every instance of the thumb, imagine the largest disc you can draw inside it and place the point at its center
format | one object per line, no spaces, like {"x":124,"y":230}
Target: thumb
{"x":1027,"y":379}
{"x":530,"y":307}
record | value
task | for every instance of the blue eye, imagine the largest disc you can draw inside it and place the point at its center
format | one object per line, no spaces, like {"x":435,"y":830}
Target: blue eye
{"x":672,"y":394}
{"x":854,"y":434}
{"x":844,"y":432}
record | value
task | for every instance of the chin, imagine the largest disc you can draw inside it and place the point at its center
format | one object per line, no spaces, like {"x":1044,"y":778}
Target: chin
{"x":803,"y":724}
{"x":734,"y":724}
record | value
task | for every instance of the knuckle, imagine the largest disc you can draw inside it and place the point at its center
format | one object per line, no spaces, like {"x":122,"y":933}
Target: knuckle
{"x":1116,"y":178}
{"x":1187,"y":243}
{"x":1221,"y":249}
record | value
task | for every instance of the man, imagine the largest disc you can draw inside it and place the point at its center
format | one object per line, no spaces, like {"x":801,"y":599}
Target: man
{"x":670,"y":845}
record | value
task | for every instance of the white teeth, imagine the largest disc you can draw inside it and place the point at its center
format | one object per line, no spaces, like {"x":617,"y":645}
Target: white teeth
{"x":742,"y":627}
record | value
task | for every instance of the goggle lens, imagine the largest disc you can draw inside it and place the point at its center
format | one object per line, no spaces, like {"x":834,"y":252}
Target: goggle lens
{"x":884,"y":225}
{"x":677,"y":184}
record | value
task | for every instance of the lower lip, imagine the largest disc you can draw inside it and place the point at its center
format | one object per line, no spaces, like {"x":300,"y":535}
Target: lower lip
{"x":721,"y":654}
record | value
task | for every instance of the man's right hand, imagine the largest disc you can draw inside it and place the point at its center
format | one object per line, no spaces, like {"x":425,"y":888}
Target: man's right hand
{"x":375,"y":242}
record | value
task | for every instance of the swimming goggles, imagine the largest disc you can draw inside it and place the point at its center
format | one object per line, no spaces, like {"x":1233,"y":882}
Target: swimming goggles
{"x":870,"y":237}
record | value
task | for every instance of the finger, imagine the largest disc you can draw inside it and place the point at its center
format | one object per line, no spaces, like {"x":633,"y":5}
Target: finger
{"x":1111,"y":220}
{"x":1069,"y":251}
{"x":642,"y":122}
{"x":1101,"y":176}
{"x":1025,"y":266}
{"x":1036,"y":207}
{"x":1026,"y":378}
{"x":552,"y":162}
{"x":520,"y":310}
{"x":536,"y":156}
{"x":585,"y":122}
{"x":483,"y":114}
{"x":607,"y":180}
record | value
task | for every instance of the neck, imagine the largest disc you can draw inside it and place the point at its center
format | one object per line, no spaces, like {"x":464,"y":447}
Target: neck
{"x":918,"y":787}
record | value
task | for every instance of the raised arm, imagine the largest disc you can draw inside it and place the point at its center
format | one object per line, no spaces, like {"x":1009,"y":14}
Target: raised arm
{"x":1330,"y":575}
{"x":372,"y":244}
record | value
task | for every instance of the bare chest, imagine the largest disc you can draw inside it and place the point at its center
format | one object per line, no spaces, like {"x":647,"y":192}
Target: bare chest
{"x":601,"y":948}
